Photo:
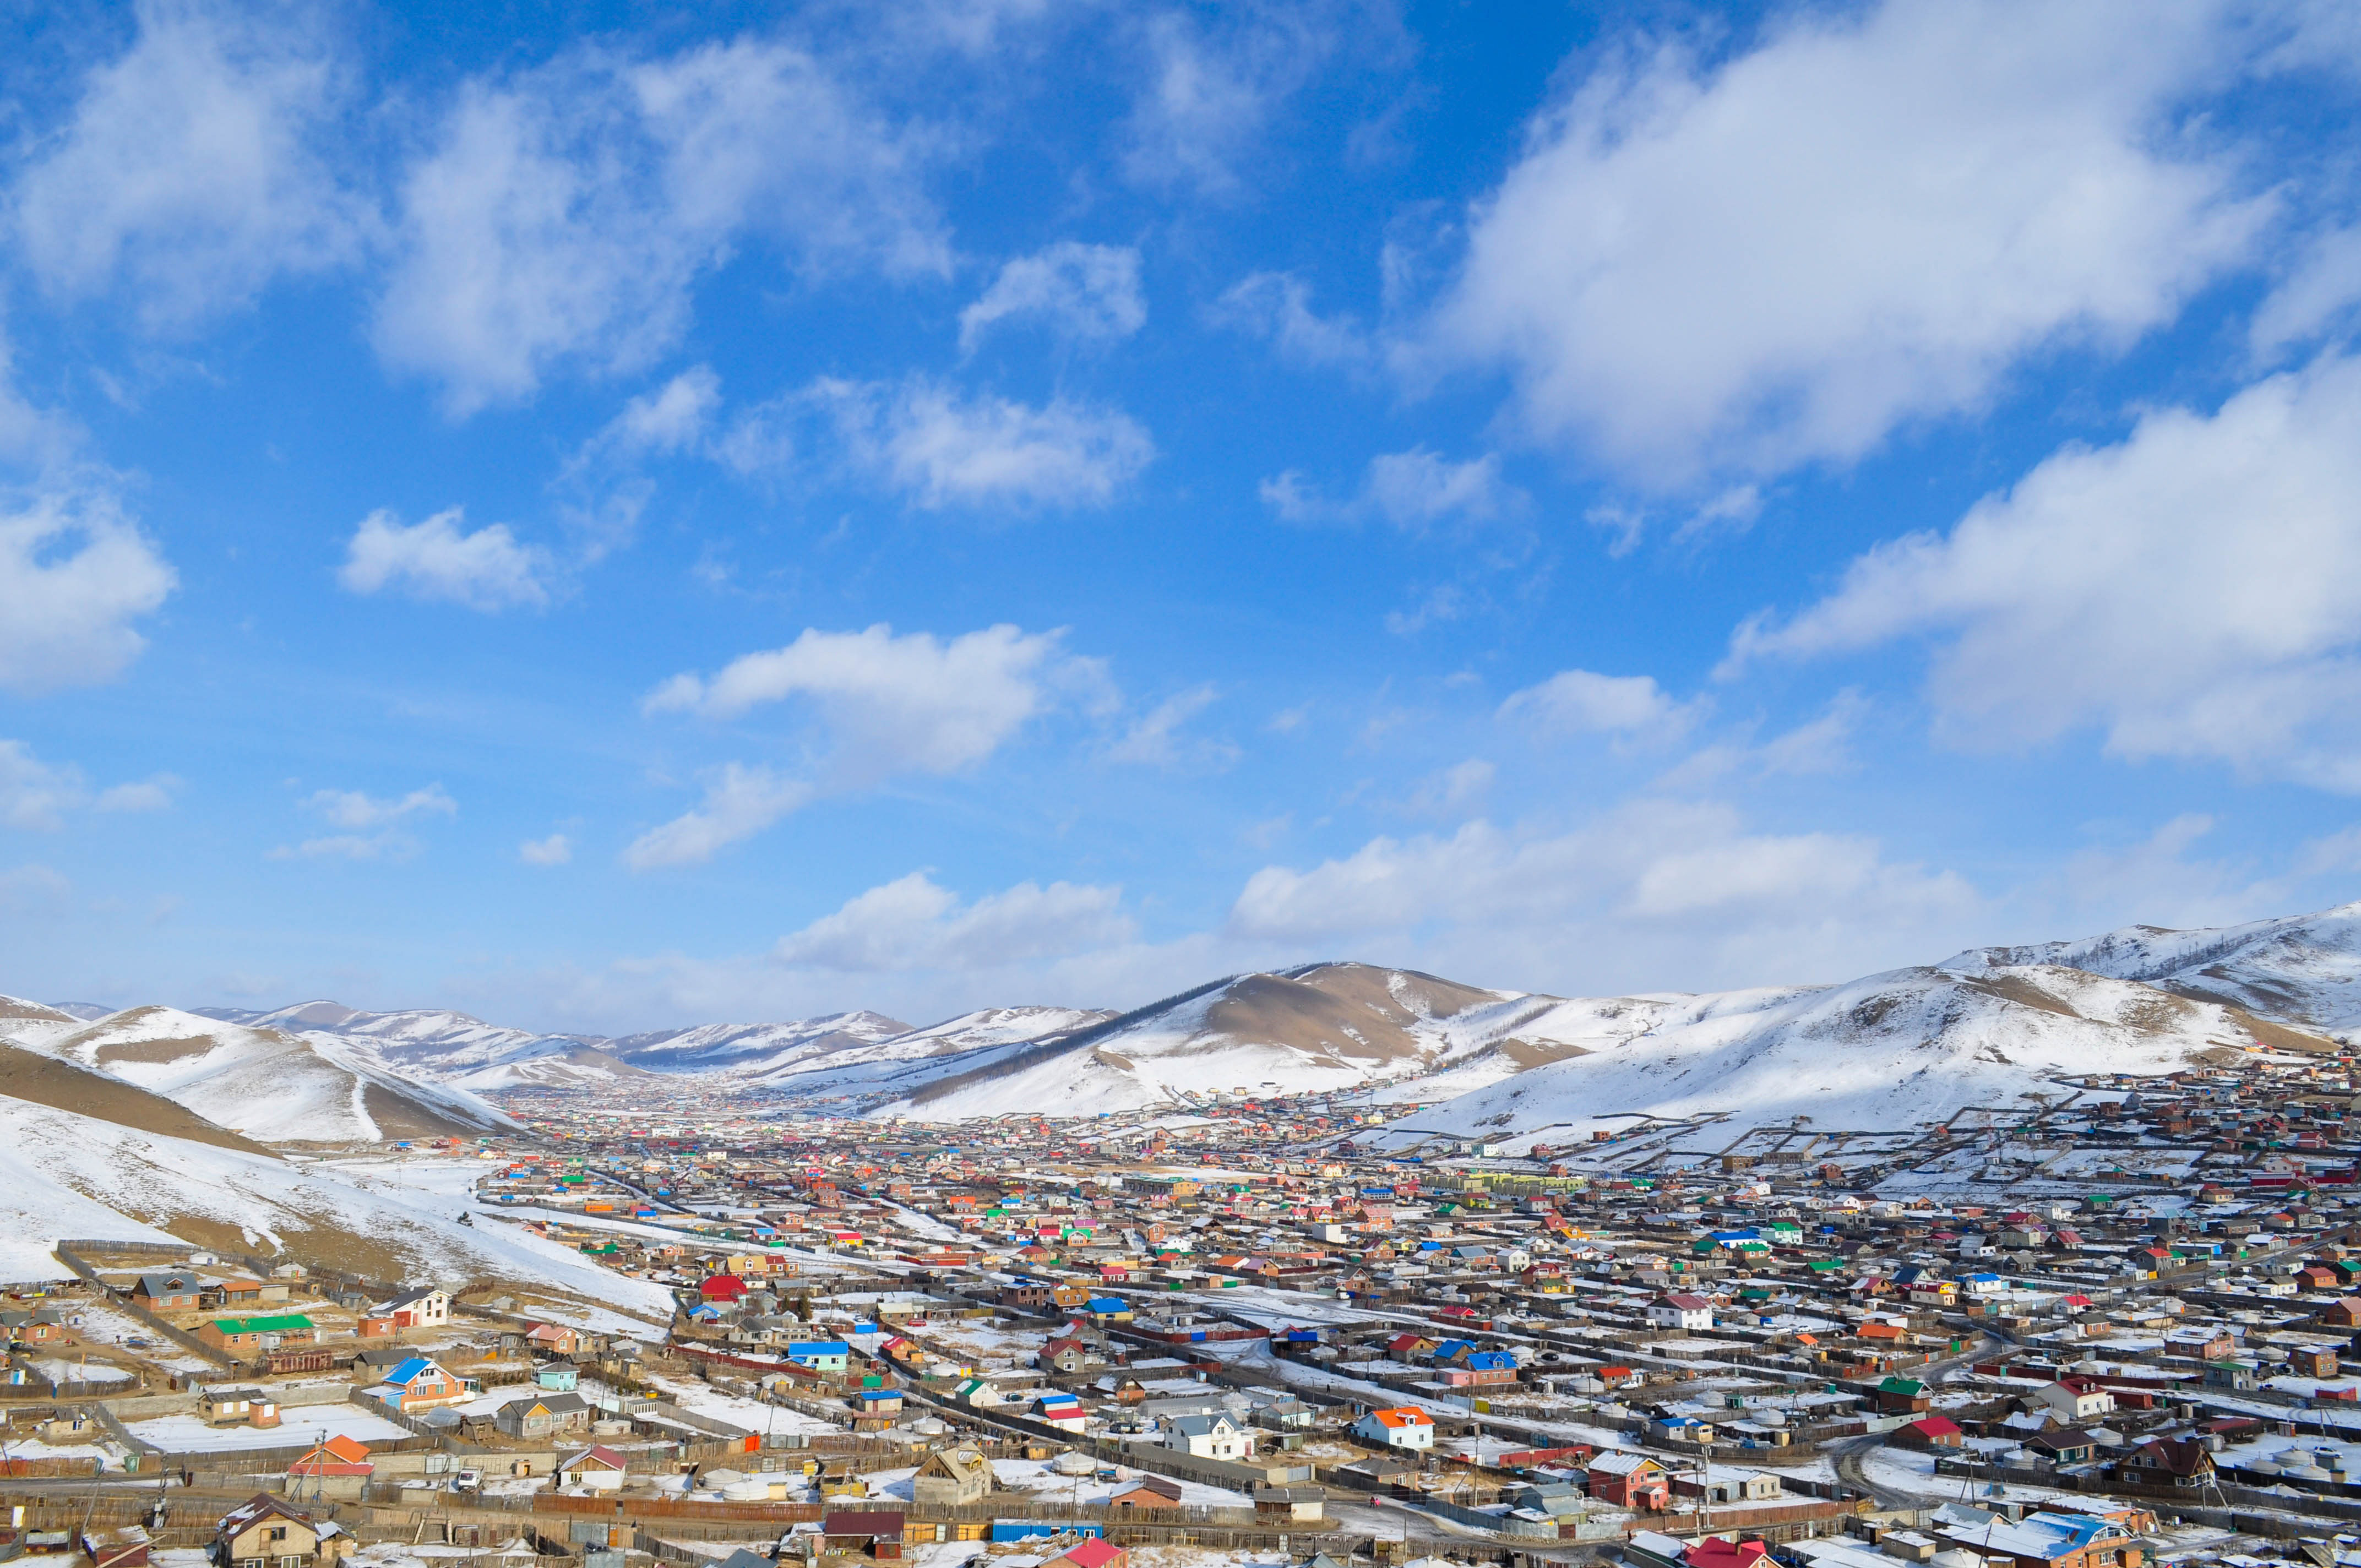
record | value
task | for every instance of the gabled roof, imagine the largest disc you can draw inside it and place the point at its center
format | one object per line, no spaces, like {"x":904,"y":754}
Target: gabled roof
{"x":598,"y":1456}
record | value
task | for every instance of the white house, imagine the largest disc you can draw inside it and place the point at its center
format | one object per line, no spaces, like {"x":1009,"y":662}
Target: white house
{"x":1215,"y":1436}
{"x":423,"y":1309}
{"x":2076,"y":1400}
{"x":1681,"y":1311}
{"x":598,"y":1468}
{"x":1408,"y":1427}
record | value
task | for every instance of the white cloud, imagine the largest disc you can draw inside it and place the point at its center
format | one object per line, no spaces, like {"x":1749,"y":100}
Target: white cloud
{"x":145,"y":794}
{"x":565,"y":212}
{"x":2317,"y":296}
{"x":2193,"y":590}
{"x":190,"y":169}
{"x":359,"y":809}
{"x":1216,"y":78}
{"x":37,"y":795}
{"x":1814,"y":748}
{"x":555,"y":850}
{"x":1153,"y":739}
{"x":74,"y":573}
{"x":374,"y":825}
{"x":1416,"y":489}
{"x":1087,"y":293}
{"x":33,"y":794}
{"x":603,"y":487}
{"x":740,"y":801}
{"x":1453,"y":790}
{"x":1277,"y":306}
{"x":1654,"y":891}
{"x":915,"y":924}
{"x":888,"y":704}
{"x":1585,"y":702}
{"x":486,"y":570}
{"x":1866,"y":219}
{"x":940,"y":447}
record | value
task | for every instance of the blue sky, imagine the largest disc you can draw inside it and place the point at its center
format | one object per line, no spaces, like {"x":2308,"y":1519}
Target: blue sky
{"x":608,"y":516}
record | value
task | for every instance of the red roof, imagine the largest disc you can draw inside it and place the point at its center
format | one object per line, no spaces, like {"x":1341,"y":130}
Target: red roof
{"x":1934,"y":1426}
{"x":1093,"y":1552}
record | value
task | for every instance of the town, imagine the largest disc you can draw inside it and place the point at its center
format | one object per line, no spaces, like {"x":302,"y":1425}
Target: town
{"x":2100,"y":1330}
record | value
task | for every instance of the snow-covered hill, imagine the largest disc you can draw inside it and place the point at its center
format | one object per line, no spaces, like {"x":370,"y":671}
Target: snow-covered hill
{"x":1883,"y":1053}
{"x":2302,"y":969}
{"x":1324,"y":1027}
{"x":263,"y":1082}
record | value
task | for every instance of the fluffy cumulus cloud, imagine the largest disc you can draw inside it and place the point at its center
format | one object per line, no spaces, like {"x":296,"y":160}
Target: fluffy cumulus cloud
{"x":1583,"y":702}
{"x":562,"y":215}
{"x":884,"y":705}
{"x":1867,"y":219}
{"x":1215,"y":79}
{"x":2193,"y":590}
{"x":1277,"y":306}
{"x":438,"y":559}
{"x":1084,"y":293}
{"x":76,"y":574}
{"x":555,"y":850}
{"x":1664,"y":891}
{"x":941,"y":447}
{"x":191,"y":171}
{"x":913,"y":923}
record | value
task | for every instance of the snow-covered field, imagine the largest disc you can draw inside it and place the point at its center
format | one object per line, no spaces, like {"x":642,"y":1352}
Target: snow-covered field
{"x":299,"y":1428}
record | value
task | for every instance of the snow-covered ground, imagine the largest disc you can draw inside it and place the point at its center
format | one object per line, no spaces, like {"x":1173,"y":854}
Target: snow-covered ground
{"x":299,"y":1428}
{"x":747,"y":1415}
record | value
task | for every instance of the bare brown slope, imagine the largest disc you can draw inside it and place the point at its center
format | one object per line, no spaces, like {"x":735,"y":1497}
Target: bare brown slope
{"x":16,"y":1008}
{"x":1347,"y":1013}
{"x":44,"y":1081}
{"x":398,"y":1117}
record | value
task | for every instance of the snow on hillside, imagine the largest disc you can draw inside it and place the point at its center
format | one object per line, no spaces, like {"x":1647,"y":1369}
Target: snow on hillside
{"x":551,"y":1064}
{"x":850,"y":1065}
{"x":270,"y":1085}
{"x":1325,"y":1027}
{"x":2302,"y":968}
{"x":1887,"y":1052}
{"x":752,"y":1047}
{"x":65,"y":1174}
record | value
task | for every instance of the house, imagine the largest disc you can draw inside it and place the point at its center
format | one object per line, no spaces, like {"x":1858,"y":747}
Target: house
{"x":1407,"y":1427}
{"x":166,"y":1292}
{"x":1026,"y":1296}
{"x":557,"y":1380}
{"x":424,"y":1309}
{"x":952,"y":1477}
{"x":542,"y":1416}
{"x":1147,"y":1492}
{"x":1903,"y":1396}
{"x":722,"y":1289}
{"x":1681,"y":1311}
{"x":267,"y":1532}
{"x":222,"y":1407}
{"x":875,"y":1532}
{"x":1216,"y":1436}
{"x":2342,"y":1313}
{"x":421,"y":1384}
{"x":2073,"y":1400}
{"x":257,"y":1333}
{"x":2063,"y":1445}
{"x":1064,"y":1353}
{"x":556,"y":1338}
{"x":2042,"y":1539}
{"x":1062,"y":1410}
{"x":596,"y":1469}
{"x":2167,"y":1461}
{"x":1628,"y":1481}
{"x":1929,"y":1432}
{"x":1093,"y":1552}
{"x":336,"y":1456}
{"x":820,"y":1355}
{"x":122,"y":1547}
{"x":880,"y":1403}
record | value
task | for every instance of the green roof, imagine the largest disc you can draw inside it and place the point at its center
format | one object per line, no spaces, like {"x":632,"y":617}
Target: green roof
{"x":278,"y":1325}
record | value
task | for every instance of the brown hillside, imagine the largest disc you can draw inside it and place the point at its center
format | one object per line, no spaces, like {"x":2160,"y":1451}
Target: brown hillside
{"x":44,"y":1081}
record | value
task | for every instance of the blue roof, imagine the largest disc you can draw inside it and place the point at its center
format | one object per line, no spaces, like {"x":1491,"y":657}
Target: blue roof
{"x":821,"y":1347}
{"x":1108,"y":1304}
{"x":1492,"y":1361}
{"x":409,"y":1369}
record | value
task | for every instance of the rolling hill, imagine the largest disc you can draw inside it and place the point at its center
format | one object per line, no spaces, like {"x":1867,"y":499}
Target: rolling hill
{"x":265,"y":1083}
